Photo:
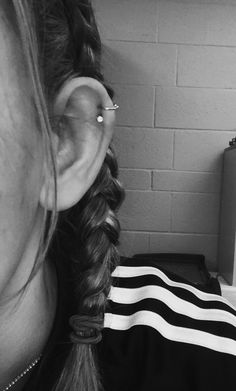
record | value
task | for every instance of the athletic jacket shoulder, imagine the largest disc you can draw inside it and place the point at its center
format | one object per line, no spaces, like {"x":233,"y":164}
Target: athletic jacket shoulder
{"x":161,"y":332}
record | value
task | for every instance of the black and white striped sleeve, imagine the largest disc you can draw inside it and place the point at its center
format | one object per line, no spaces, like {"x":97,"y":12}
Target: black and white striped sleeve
{"x":164,"y":334}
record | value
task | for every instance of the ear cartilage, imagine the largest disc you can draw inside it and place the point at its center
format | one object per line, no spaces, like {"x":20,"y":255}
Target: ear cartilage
{"x":114,"y":107}
{"x":99,"y":118}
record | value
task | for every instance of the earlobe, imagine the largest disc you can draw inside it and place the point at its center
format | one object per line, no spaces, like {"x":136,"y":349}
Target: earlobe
{"x":80,"y":142}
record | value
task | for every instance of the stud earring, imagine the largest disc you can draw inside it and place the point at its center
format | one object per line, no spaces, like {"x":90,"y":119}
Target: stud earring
{"x":100,"y":119}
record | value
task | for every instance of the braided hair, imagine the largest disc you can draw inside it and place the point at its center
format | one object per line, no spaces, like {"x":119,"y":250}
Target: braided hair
{"x":90,"y":232}
{"x":69,"y":45}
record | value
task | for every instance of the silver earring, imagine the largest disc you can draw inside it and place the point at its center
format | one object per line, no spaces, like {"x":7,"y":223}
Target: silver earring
{"x":114,"y":107}
{"x":100,"y":118}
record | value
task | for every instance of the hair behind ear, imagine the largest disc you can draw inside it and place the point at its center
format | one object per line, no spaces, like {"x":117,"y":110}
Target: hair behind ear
{"x":90,"y":237}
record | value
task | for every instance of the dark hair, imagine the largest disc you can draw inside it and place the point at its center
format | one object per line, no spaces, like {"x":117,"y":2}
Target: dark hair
{"x":69,"y":45}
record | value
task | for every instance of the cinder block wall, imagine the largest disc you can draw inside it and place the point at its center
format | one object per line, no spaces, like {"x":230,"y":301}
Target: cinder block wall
{"x":173,"y":67}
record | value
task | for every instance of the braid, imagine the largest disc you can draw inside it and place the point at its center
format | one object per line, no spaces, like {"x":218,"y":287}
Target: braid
{"x":98,"y":230}
{"x":91,"y":232}
{"x":69,"y":45}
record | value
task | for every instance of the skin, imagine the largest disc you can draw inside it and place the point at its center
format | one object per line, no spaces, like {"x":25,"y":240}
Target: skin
{"x":24,"y":324}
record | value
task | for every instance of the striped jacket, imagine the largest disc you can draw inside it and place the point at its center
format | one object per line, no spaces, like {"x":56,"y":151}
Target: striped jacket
{"x":163,"y":334}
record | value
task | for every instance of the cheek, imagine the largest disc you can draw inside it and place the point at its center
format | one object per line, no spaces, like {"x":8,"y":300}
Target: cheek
{"x":20,"y":147}
{"x":21,"y":167}
{"x":20,"y":140}
{"x":21,"y":174}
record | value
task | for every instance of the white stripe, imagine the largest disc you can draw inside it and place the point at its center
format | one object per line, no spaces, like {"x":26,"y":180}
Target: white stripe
{"x":134,"y":295}
{"x":136,"y":271}
{"x":172,"y":333}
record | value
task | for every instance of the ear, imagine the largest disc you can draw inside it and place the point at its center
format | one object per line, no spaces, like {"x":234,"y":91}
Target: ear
{"x":81,"y":142}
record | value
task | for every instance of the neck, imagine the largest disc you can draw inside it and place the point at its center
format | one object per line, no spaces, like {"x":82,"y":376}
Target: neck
{"x":25,"y":319}
{"x":25,"y":325}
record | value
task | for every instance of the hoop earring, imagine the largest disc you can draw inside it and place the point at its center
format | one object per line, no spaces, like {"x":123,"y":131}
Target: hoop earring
{"x":100,"y":118}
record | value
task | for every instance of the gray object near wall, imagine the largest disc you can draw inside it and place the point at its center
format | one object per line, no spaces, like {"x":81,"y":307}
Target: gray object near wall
{"x":227,"y":238}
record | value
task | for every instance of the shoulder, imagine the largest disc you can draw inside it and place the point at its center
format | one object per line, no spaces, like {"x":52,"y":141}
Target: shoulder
{"x":144,"y":295}
{"x":155,"y":316}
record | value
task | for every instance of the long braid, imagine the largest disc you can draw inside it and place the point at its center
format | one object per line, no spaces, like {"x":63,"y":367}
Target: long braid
{"x":93,"y":232}
{"x":70,"y":46}
{"x":98,"y":230}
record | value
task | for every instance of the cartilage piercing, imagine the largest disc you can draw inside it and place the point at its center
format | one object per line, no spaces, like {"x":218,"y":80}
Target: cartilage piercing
{"x":114,"y":107}
{"x":100,"y":118}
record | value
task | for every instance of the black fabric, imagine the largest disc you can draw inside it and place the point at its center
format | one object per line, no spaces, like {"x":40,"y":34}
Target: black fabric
{"x":140,"y":359}
{"x":144,"y":357}
{"x":190,"y":266}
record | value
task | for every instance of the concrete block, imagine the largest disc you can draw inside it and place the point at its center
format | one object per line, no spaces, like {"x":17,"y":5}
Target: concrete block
{"x":136,"y":105}
{"x":144,"y":148}
{"x":133,"y":242}
{"x":186,"y":243}
{"x":127,"y":20}
{"x":195,"y":213}
{"x":135,"y":179}
{"x":200,"y":151}
{"x":145,"y":211}
{"x":207,"y":66}
{"x":139,"y":63}
{"x":195,"y":108}
{"x":183,"y":181}
{"x":203,"y":24}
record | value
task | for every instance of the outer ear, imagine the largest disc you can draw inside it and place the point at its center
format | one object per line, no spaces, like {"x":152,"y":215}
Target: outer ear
{"x":81,"y":142}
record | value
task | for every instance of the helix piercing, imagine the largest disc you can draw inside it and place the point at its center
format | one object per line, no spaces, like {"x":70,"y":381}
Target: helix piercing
{"x":114,"y":107}
{"x":100,"y":118}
